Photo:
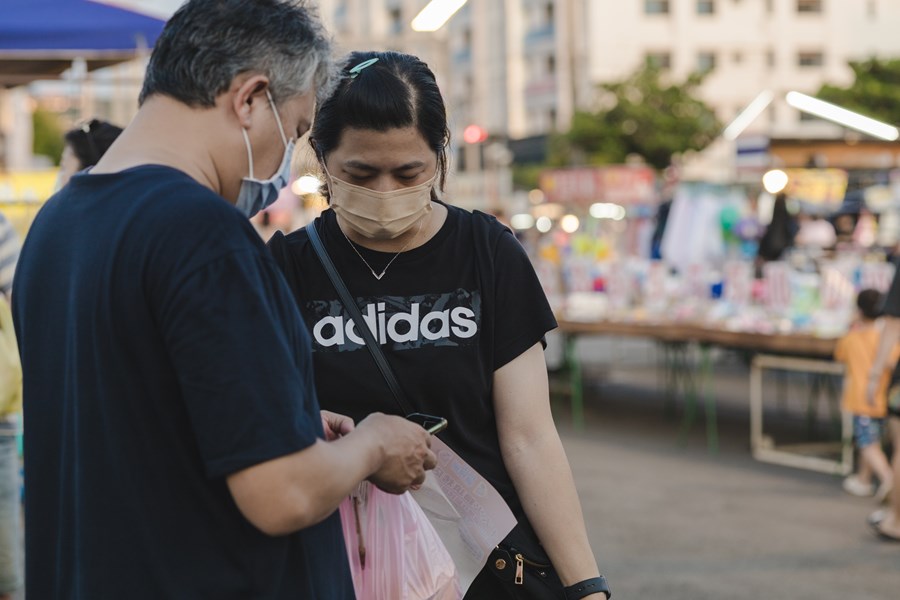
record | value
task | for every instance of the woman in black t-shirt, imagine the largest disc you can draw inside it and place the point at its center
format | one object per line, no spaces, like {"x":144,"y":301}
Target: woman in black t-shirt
{"x":453,"y":301}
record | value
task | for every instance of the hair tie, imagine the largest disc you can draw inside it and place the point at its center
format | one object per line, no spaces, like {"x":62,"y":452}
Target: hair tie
{"x":358,"y":68}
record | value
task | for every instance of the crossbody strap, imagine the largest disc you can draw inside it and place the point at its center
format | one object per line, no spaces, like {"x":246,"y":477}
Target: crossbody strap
{"x":361,"y":325}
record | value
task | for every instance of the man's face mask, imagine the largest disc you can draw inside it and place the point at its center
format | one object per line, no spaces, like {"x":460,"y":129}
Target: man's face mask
{"x":256,"y":194}
{"x":380,"y":215}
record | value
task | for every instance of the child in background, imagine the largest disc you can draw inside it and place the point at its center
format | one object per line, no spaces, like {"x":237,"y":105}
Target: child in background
{"x":857,"y":350}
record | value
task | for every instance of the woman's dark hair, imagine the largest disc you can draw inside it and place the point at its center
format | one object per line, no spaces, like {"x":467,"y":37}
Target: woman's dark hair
{"x":869,"y":303}
{"x":398,"y":90}
{"x":91,"y":140}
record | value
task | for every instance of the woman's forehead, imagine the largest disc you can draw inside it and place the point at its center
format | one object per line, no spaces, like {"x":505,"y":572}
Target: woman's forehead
{"x":390,"y":147}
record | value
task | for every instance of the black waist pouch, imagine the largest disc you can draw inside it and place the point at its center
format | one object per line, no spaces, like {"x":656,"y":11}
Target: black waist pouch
{"x":524,"y":569}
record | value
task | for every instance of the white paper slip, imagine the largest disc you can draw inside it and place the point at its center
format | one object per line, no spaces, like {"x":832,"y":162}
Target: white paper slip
{"x":468,"y":513}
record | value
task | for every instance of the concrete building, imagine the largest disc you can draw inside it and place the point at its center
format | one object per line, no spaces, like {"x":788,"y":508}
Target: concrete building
{"x":746,"y":45}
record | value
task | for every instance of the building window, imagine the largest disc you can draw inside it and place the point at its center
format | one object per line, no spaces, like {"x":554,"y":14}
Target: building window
{"x":706,"y":7}
{"x":551,"y":117}
{"x":737,"y":57}
{"x":548,"y":13}
{"x":809,"y":6}
{"x":770,"y":6}
{"x":656,"y":7}
{"x":770,"y":58}
{"x":872,"y":9}
{"x":810,"y":59}
{"x":805,"y":117}
{"x":551,"y":65}
{"x":659,"y":60}
{"x":706,"y":61}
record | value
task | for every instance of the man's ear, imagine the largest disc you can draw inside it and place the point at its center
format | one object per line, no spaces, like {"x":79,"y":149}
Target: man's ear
{"x":244,"y":95}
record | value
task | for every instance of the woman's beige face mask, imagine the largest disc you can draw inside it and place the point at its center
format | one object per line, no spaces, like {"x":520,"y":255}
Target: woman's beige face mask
{"x":380,"y":215}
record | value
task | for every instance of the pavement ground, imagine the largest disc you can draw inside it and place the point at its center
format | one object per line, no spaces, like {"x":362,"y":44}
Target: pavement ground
{"x":668,"y":520}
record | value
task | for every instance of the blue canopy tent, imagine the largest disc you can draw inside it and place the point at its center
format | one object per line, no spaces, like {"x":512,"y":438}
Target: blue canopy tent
{"x":39,"y":39}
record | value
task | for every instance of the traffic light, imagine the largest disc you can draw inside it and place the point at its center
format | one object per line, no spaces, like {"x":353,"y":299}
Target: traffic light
{"x":474,"y":134}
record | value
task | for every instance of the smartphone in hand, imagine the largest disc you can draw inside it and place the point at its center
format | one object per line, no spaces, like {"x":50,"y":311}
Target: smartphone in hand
{"x":431,"y":423}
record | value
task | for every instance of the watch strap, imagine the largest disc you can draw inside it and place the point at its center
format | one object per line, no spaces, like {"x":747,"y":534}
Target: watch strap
{"x":588,"y":587}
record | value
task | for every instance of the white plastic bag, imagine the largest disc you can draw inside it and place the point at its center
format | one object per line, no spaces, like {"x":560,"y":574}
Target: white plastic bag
{"x":393,"y":550}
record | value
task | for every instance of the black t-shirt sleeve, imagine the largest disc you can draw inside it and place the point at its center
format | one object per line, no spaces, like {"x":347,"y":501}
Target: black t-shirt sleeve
{"x":523,"y":314}
{"x":235,"y":339}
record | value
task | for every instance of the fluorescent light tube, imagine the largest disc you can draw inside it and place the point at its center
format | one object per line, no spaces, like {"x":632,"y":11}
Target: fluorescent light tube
{"x":435,"y":14}
{"x":748,"y":115}
{"x":842,"y":116}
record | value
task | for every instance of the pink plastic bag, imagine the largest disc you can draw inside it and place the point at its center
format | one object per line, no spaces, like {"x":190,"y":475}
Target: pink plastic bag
{"x":394,"y":552}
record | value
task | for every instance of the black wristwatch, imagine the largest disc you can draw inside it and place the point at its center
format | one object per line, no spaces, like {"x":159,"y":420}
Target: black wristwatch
{"x":588,"y":587}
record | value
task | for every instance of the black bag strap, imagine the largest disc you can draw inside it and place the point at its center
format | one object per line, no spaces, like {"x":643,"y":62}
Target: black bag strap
{"x":361,"y":326}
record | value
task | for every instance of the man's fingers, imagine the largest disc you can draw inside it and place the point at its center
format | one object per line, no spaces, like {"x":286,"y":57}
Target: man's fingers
{"x":430,"y":461}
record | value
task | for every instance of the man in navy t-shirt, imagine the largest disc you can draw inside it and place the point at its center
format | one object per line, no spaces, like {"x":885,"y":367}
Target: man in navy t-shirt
{"x":174,"y":446}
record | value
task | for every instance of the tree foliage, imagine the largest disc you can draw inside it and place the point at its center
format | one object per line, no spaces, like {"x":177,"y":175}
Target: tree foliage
{"x":874,"y":92}
{"x":641,"y":115}
{"x":48,"y":135}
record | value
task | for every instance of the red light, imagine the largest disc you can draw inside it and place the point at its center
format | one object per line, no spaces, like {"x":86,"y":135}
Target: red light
{"x":473,"y":134}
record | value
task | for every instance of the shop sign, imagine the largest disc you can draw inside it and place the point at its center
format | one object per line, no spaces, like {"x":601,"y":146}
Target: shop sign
{"x":22,"y":193}
{"x":27,"y":186}
{"x":620,"y":184}
{"x":817,"y":186}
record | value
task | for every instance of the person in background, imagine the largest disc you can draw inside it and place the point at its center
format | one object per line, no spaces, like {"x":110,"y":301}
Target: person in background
{"x":886,"y":523}
{"x":84,"y":146}
{"x":10,"y":412}
{"x":779,"y":235}
{"x":174,"y":445}
{"x":9,"y":254}
{"x":857,"y":350}
{"x":815,"y":233}
{"x":462,"y":315}
{"x":844,"y":226}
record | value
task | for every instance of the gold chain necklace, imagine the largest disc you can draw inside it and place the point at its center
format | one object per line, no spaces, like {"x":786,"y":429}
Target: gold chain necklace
{"x":378,"y":276}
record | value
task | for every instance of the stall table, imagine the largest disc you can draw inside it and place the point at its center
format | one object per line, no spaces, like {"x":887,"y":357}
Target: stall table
{"x":781,"y":351}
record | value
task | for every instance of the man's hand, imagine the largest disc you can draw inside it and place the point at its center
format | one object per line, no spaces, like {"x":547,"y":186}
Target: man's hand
{"x":406,"y":449}
{"x":335,"y":425}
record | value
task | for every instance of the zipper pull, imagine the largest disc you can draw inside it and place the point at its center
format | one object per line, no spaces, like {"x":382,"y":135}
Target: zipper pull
{"x":520,"y":569}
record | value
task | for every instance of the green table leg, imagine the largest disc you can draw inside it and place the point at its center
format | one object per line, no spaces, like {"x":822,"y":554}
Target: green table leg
{"x":690,"y":402}
{"x":712,"y":426}
{"x":573,"y":366}
{"x":812,"y":403}
{"x":671,"y":369}
{"x":694,"y":387}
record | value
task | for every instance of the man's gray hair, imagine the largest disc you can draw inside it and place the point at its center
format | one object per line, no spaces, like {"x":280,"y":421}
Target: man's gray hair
{"x":207,"y":43}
